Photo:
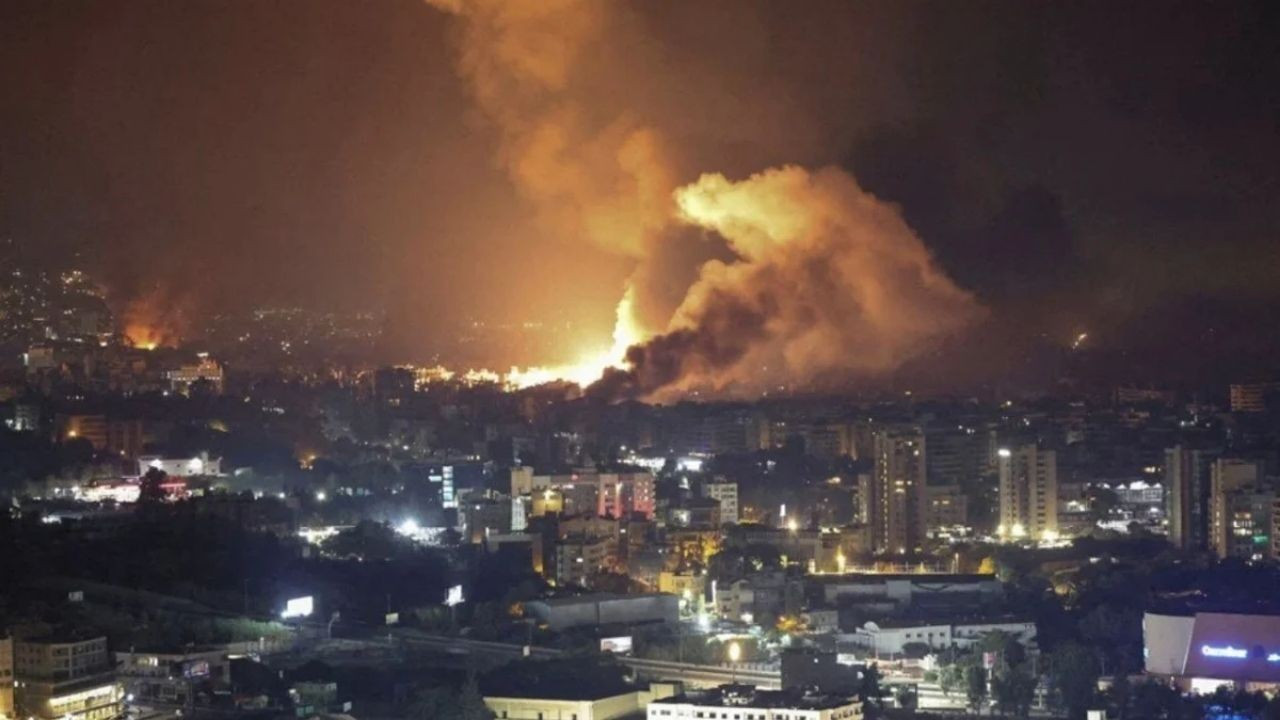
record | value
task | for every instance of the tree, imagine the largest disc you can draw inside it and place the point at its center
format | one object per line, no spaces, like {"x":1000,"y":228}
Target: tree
{"x":1121,"y":694}
{"x":906,"y":697}
{"x":151,"y":488}
{"x":470,"y":703}
{"x":1073,"y":677}
{"x":368,"y":540}
{"x":1014,"y":690}
{"x":869,"y":687}
{"x":950,"y":678}
{"x":1118,"y":632}
{"x":440,"y":703}
{"x":975,"y":686}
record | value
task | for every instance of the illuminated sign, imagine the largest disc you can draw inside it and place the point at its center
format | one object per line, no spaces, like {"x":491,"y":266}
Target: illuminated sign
{"x":298,"y":607}
{"x":618,"y":645}
{"x":1225,"y":651}
{"x":454,"y":597}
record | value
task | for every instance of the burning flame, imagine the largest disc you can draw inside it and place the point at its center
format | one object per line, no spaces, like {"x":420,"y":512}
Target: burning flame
{"x":590,"y":368}
{"x":142,"y":336}
{"x":151,"y":321}
{"x":626,"y":332}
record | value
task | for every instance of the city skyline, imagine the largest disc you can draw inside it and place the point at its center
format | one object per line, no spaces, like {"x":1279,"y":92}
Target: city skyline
{"x":1072,"y":169}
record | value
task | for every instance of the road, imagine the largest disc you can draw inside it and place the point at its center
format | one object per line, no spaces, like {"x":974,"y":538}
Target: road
{"x":689,"y":673}
{"x":929,"y":694}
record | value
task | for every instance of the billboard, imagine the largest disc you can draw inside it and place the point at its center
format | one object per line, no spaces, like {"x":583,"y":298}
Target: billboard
{"x":620,"y":645}
{"x":298,"y":608}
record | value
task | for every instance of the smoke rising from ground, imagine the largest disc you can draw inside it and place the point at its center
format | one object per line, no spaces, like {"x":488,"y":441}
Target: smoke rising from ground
{"x":820,"y":278}
{"x":590,"y":174}
{"x":829,"y":281}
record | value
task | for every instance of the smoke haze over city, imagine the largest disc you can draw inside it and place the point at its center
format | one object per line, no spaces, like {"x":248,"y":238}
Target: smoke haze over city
{"x":451,"y":163}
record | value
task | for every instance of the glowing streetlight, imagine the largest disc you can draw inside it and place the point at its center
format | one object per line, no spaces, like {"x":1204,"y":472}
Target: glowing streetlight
{"x":734,"y":652}
{"x":320,"y":496}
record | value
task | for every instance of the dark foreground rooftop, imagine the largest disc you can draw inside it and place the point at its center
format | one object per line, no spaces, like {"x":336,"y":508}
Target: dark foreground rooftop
{"x":736,"y":695}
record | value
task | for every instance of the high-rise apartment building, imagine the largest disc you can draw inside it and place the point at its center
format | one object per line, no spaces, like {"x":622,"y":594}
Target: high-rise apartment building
{"x":1028,"y":493}
{"x":959,"y":454}
{"x":1239,"y":509}
{"x":897,"y":504}
{"x":6,"y":679}
{"x":1186,"y":496}
{"x":948,"y":507}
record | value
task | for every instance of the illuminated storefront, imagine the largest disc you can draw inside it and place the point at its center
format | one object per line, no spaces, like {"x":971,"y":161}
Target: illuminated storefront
{"x":1202,"y":651}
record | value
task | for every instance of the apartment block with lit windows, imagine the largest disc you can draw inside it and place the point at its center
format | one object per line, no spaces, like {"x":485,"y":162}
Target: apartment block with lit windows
{"x":6,"y":678}
{"x":65,"y":678}
{"x":1028,"y":493}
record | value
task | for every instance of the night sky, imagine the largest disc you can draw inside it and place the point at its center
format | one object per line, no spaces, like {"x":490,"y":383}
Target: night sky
{"x":1099,"y":167}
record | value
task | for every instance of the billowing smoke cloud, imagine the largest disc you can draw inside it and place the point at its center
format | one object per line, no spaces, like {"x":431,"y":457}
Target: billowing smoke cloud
{"x":600,"y":176}
{"x":820,"y":277}
{"x":156,"y":317}
{"x":830,"y":281}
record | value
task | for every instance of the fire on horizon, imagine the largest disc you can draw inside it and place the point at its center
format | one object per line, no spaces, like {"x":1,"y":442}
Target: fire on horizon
{"x":720,"y":199}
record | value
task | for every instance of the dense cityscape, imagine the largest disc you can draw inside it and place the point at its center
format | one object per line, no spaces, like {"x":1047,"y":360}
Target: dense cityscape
{"x":323,"y":538}
{"x":608,"y":360}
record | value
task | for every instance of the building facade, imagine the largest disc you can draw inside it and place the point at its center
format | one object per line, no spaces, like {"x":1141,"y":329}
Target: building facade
{"x":1186,"y":483}
{"x":578,"y":558}
{"x":895,"y":638}
{"x":897,"y":503}
{"x":1239,"y":509}
{"x":726,"y":493}
{"x":7,"y":711}
{"x":64,"y":679}
{"x":948,"y":507}
{"x":745,"y":702}
{"x":1028,"y":493}
{"x":1203,"y":651}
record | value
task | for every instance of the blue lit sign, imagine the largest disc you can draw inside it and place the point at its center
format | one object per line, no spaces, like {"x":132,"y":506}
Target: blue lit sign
{"x":1225,"y":651}
{"x":1274,"y":657}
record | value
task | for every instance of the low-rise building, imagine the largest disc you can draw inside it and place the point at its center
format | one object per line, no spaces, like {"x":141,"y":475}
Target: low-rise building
{"x":579,"y":558}
{"x":745,"y":702}
{"x":894,"y":637}
{"x":581,"y":702}
{"x":808,"y":667}
{"x":899,"y":591}
{"x":169,"y":677}
{"x":1203,"y":651}
{"x":200,"y":465}
{"x":760,"y":597}
{"x":205,"y":371}
{"x":603,"y":609}
{"x":66,"y":678}
{"x":726,"y":493}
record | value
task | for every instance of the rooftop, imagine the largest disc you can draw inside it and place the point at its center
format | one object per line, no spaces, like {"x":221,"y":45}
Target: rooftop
{"x":735,"y":695}
{"x":596,"y":598}
{"x":921,"y":578}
